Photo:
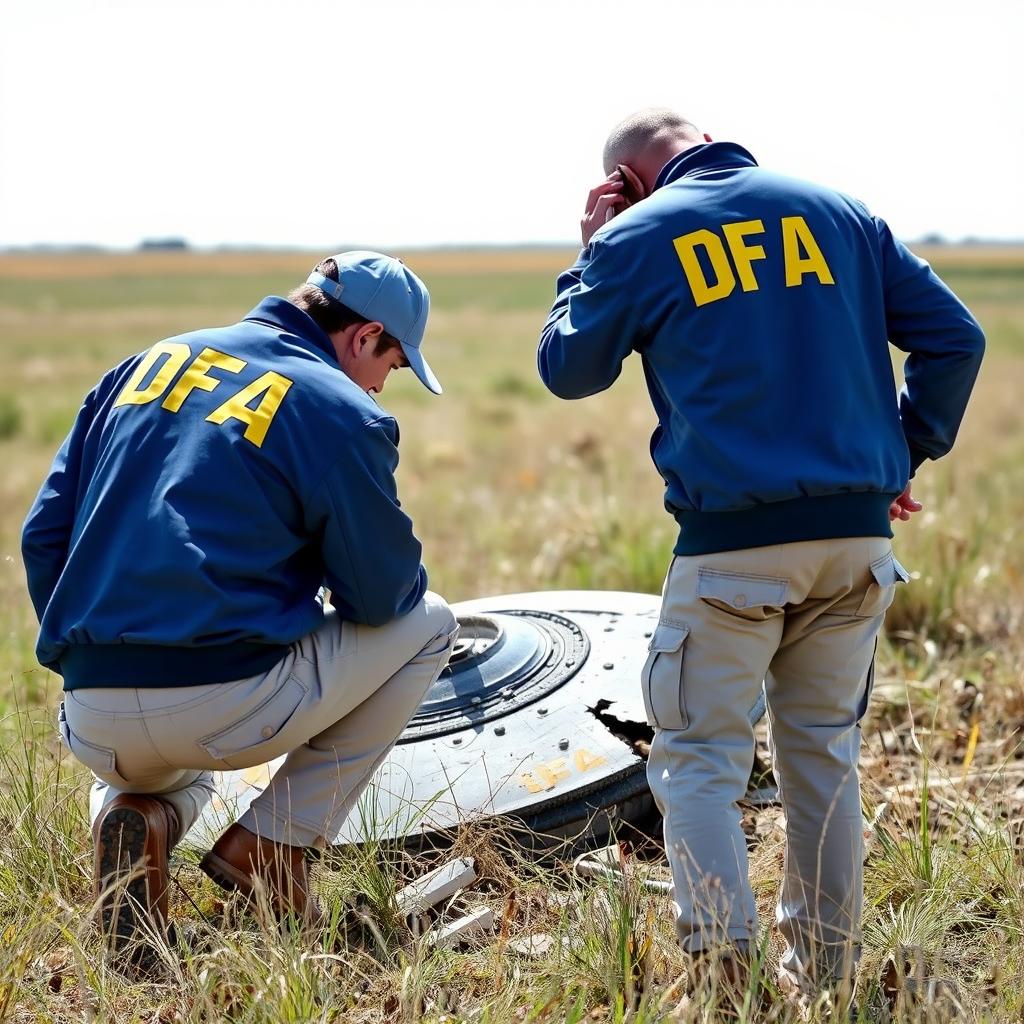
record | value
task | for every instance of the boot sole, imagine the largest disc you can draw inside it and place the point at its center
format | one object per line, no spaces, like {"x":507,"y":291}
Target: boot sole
{"x":125,"y":912}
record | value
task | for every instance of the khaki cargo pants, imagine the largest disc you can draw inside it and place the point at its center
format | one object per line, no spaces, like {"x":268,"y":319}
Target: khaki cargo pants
{"x":803,"y":618}
{"x":335,"y":704}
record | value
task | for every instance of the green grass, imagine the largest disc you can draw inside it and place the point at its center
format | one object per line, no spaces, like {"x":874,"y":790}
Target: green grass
{"x":514,"y":490}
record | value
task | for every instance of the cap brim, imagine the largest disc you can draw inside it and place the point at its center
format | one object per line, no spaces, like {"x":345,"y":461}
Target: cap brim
{"x":420,"y":368}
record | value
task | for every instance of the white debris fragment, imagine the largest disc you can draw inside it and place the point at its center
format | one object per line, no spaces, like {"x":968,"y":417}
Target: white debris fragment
{"x":476,"y":923}
{"x":436,"y":886}
{"x":609,"y":856}
{"x":586,"y":867}
{"x":534,"y":945}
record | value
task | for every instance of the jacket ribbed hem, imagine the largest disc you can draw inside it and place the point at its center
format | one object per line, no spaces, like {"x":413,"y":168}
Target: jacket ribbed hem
{"x":825,"y":517}
{"x":146,"y":665}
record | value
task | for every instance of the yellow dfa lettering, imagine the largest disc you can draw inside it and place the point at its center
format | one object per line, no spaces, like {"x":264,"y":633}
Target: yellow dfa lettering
{"x":800,"y":252}
{"x":272,"y":387}
{"x":196,"y":376}
{"x":545,"y":776}
{"x":585,"y":760}
{"x":742,"y":254}
{"x":703,"y":291}
{"x":796,"y":235}
{"x":175,"y":351}
{"x":552,"y":772}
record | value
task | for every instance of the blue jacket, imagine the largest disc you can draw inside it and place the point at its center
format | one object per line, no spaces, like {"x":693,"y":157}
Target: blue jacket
{"x":761,"y":307}
{"x":207,"y":489}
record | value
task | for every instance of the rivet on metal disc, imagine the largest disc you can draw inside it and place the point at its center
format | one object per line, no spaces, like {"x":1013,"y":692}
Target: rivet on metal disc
{"x":563,"y":744}
{"x":476,"y":700}
{"x":542,"y":711}
{"x":647,"y":636}
{"x":457,"y":740}
{"x":499,"y":730}
{"x":609,"y":664}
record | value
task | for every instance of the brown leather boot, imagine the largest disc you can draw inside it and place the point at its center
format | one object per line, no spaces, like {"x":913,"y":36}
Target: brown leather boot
{"x":240,"y":857}
{"x":728,"y":969}
{"x":132,"y":840}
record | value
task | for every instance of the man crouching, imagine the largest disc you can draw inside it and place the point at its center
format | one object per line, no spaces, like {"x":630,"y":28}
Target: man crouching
{"x":175,"y":554}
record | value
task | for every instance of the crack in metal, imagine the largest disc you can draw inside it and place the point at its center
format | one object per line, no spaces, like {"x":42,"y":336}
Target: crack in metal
{"x":637,"y":735}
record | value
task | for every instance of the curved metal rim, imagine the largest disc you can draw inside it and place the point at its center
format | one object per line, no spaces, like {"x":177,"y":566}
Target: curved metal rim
{"x":531,"y":689}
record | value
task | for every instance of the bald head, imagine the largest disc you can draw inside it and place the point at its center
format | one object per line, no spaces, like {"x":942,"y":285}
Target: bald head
{"x":647,"y":140}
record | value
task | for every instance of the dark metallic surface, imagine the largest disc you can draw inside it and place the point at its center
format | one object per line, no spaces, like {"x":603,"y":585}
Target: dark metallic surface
{"x":502,"y":661}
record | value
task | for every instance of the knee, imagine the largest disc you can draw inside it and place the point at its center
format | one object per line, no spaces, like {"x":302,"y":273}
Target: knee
{"x":440,"y":624}
{"x":436,"y":609}
{"x":818,"y":753}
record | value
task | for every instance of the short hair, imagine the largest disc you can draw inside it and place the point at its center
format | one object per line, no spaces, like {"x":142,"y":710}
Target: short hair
{"x":640,"y":131}
{"x":330,"y":315}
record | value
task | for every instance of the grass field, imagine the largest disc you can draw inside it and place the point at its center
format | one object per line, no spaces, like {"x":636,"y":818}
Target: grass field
{"x":513,"y":490}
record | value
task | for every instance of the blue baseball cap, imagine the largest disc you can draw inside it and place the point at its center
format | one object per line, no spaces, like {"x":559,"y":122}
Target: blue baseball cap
{"x":384,"y":289}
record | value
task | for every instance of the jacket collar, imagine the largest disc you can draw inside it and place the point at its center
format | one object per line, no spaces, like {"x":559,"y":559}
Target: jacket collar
{"x":708,"y":156}
{"x":281,"y":313}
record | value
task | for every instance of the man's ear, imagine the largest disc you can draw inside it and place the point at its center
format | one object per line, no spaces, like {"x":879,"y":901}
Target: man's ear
{"x":365,"y":334}
{"x":633,"y":187}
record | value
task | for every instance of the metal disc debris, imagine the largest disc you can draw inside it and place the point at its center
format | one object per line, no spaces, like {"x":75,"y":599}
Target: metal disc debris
{"x":539,"y":716}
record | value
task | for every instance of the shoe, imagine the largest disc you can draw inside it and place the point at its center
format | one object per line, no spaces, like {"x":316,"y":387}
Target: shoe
{"x":240,"y":858}
{"x":726,"y":970}
{"x":807,"y":1001}
{"x":132,"y":840}
{"x":729,"y":966}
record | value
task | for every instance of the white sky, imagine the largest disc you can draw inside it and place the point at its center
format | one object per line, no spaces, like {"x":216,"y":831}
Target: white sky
{"x":407,"y":123}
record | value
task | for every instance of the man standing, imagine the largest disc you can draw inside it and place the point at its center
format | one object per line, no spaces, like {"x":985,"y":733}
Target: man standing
{"x":762,"y":308}
{"x":175,"y":555}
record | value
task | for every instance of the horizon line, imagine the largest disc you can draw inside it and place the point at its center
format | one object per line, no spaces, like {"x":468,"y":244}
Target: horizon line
{"x":176,"y":243}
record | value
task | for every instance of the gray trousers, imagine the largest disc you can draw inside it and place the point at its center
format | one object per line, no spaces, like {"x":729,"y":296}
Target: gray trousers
{"x":804,"y":618}
{"x":335,"y":704}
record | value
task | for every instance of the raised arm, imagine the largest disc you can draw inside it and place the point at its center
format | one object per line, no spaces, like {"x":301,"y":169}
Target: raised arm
{"x":591,"y":328}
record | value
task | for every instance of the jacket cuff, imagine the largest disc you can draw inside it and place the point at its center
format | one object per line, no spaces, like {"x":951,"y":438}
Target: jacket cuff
{"x":917,"y":457}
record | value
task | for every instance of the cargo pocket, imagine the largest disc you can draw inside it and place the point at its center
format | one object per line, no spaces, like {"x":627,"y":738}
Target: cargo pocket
{"x":747,"y":597}
{"x":258,"y":727}
{"x":662,"y":678}
{"x":886,"y":573}
{"x":101,"y":761}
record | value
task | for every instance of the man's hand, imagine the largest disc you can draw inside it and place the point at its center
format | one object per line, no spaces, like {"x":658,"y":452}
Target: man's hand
{"x":604,"y":201}
{"x":903,"y":506}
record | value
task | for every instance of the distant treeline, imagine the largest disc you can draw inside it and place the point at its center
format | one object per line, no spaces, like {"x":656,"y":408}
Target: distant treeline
{"x":172,"y":244}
